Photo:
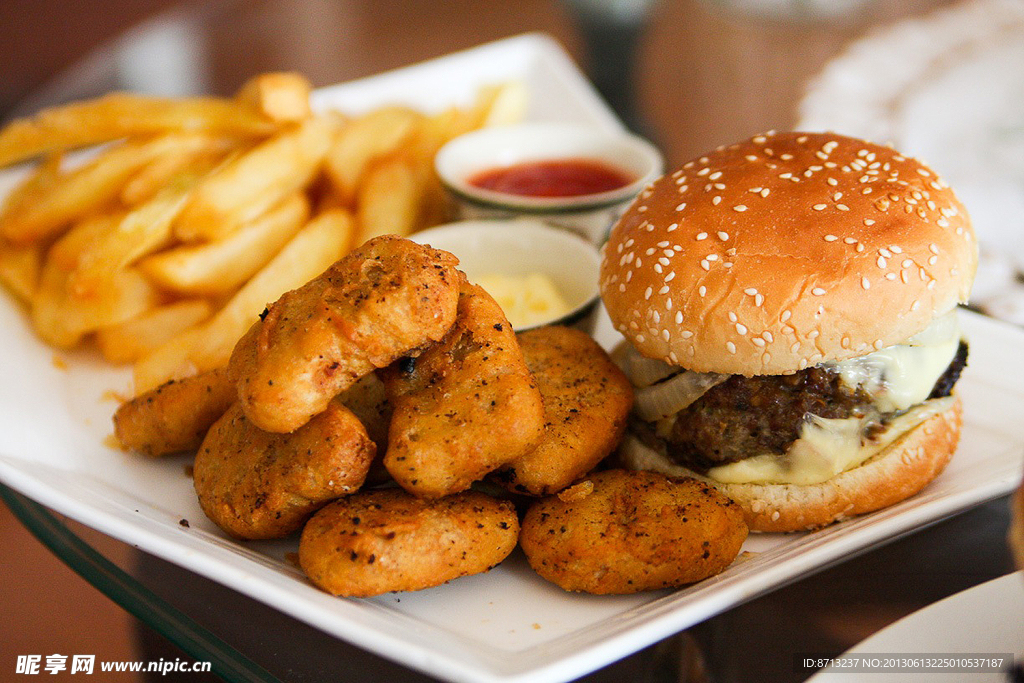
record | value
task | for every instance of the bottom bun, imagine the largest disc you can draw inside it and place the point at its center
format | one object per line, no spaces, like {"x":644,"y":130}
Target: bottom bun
{"x":899,"y":471}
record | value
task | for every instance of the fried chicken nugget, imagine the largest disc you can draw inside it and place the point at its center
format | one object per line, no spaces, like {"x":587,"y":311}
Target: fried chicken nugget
{"x":389,"y":298}
{"x":174,"y":417}
{"x":621,"y":532}
{"x":389,"y":540}
{"x":257,"y":485}
{"x":465,"y":407}
{"x":587,"y":399}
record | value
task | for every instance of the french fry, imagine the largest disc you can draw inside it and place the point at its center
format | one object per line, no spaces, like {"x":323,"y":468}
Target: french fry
{"x":320,"y":243}
{"x":281,"y":97}
{"x":222,"y":266}
{"x":85,"y":190}
{"x":503,"y":104}
{"x":249,"y":184}
{"x":140,"y":232}
{"x":62,"y":319}
{"x":364,"y":139}
{"x":119,"y":115}
{"x":156,"y":175}
{"x":389,"y":198}
{"x":67,"y":250}
{"x":19,"y":269}
{"x":38,"y":183}
{"x":133,"y":339}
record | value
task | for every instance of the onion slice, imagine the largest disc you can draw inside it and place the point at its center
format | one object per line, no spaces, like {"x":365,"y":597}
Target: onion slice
{"x":667,"y":397}
{"x":643,"y":371}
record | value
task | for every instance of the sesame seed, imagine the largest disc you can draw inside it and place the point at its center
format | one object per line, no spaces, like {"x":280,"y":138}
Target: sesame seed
{"x":656,"y":316}
{"x":758,"y":341}
{"x":817,"y":291}
{"x":768,"y":336}
{"x":795,"y":347}
{"x":890,"y":276}
{"x":895,"y":249}
{"x":933,"y":248}
{"x":732,"y":316}
{"x":786,"y":315}
{"x":671,"y":276}
{"x":865,"y":283}
{"x":715,"y":176}
{"x":832,"y":181}
{"x":716,"y":200}
{"x":741,"y":328}
{"x":885,"y":252}
{"x":665,"y":334}
{"x":830,"y":238}
{"x":705,"y":265}
{"x":702,"y":290}
{"x":842,"y":207}
{"x":722,"y":235}
{"x":679,"y":321}
{"x":750,"y":291}
{"x":850,"y":240}
{"x":622,"y":288}
{"x":702,"y":236}
{"x":758,"y":299}
{"x":668,"y":301}
{"x":820,"y":207}
{"x":664,"y":290}
{"x":730,"y":346}
{"x":640,"y":338}
{"x":764,"y":192}
{"x":648,"y":292}
{"x":680,"y":207}
{"x":881,"y":262}
{"x":740,"y":207}
{"x":712,"y":257}
{"x":704,"y":171}
{"x":932,"y":260}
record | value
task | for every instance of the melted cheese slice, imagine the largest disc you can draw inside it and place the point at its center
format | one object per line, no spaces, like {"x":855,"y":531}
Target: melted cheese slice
{"x":825,"y":448}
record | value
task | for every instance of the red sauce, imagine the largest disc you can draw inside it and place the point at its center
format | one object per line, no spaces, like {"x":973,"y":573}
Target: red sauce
{"x":554,"y":178}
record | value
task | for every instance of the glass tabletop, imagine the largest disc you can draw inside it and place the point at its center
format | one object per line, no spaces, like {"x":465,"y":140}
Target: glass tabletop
{"x":691,"y":75}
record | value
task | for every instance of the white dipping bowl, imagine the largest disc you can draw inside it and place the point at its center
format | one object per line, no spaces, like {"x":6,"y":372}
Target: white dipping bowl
{"x":519,"y":247}
{"x":590,"y":215}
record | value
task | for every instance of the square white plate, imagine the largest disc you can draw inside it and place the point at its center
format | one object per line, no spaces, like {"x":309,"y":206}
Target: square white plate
{"x":508,"y":625}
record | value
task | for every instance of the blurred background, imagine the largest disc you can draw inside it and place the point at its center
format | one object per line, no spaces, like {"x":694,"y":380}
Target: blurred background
{"x":689,"y":74}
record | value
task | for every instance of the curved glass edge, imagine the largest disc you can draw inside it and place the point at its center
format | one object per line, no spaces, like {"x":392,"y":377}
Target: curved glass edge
{"x":198,"y":642}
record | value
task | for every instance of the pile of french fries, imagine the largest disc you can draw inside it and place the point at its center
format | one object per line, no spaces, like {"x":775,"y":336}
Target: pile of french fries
{"x":190,"y":215}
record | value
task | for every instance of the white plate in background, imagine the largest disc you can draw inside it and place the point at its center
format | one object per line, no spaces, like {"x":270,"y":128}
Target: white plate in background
{"x":985,"y":619}
{"x":947,"y":88}
{"x":508,"y":625}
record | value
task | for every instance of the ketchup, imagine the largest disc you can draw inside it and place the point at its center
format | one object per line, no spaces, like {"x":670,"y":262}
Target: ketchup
{"x":553,"y":178}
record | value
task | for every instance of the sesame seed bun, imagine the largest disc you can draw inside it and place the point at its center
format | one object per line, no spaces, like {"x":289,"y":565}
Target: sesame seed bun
{"x":786,"y":250}
{"x":895,"y":473}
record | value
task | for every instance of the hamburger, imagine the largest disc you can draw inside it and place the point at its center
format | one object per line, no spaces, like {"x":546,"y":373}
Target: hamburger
{"x":789,"y":305}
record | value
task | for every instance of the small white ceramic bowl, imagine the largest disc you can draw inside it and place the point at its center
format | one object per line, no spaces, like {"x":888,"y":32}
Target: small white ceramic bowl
{"x":518,"y":247}
{"x":589,"y":215}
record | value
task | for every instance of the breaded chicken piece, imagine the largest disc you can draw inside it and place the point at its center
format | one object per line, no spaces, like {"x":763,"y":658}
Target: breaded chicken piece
{"x":174,"y":417}
{"x":255,"y":484}
{"x":465,"y":407}
{"x":366,"y":398}
{"x":620,"y":531}
{"x":389,"y":540}
{"x":387,"y":299}
{"x":587,"y":399}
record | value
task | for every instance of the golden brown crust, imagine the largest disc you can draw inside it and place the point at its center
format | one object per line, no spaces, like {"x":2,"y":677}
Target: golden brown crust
{"x":779,"y":252}
{"x":1015,"y":536}
{"x":256,"y":485}
{"x":465,"y":407}
{"x":174,"y":417}
{"x":899,"y":471}
{"x":619,"y":532}
{"x":388,"y":540}
{"x":586,"y":401}
{"x":389,"y":298}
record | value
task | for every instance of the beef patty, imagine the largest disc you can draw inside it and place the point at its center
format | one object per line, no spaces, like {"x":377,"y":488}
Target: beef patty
{"x":746,"y":416}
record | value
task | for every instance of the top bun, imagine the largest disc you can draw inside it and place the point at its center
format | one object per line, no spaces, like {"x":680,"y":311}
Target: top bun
{"x":786,"y":250}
